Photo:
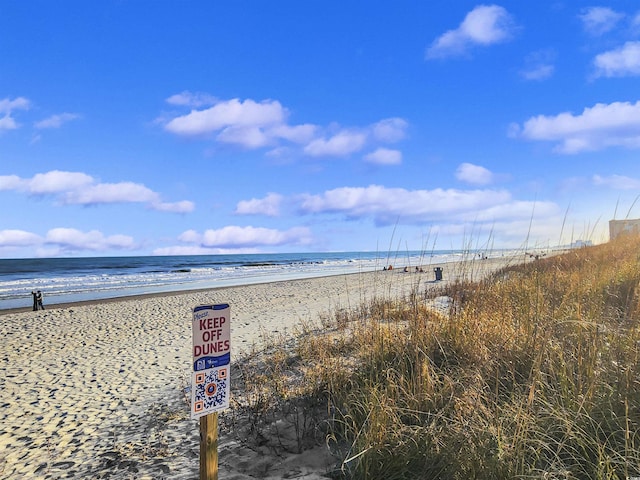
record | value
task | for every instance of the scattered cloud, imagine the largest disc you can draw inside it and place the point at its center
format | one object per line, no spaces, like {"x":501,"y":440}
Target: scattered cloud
{"x":94,"y":240}
{"x":20,"y":103}
{"x":189,"y":99}
{"x":77,"y":188}
{"x":123,"y":192}
{"x":269,"y":206}
{"x":18,"y":238}
{"x":390,"y":205}
{"x":384,"y":156}
{"x":390,"y":130}
{"x":253,"y":125}
{"x":183,"y":206}
{"x":474,"y":174}
{"x":618,"y":182}
{"x":244,"y":237}
{"x":56,"y":121}
{"x":341,"y":144}
{"x":8,"y":123}
{"x":7,"y":106}
{"x":597,"y":21}
{"x":620,"y":62}
{"x":299,"y":134}
{"x":601,"y":126}
{"x":227,"y":114}
{"x":484,"y":25}
{"x":539,"y":65}
{"x":59,"y":241}
{"x":57,"y":181}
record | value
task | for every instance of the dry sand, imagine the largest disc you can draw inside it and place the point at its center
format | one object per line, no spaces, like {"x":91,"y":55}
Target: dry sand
{"x":95,"y":390}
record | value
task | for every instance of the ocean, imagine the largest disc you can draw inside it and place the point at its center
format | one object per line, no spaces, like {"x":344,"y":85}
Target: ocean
{"x":64,"y":280}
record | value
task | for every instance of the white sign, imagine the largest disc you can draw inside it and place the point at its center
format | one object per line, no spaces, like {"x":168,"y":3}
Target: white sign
{"x":210,"y":388}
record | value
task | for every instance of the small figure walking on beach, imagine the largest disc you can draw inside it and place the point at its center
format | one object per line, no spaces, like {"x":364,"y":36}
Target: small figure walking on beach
{"x":39,"y":300}
{"x":35,"y":300}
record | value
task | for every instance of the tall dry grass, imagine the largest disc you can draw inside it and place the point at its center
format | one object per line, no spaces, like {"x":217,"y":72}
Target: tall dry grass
{"x":532,"y":373}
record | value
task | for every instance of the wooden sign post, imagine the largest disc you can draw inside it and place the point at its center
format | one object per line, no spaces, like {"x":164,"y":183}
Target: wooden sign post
{"x":210,"y":388}
{"x":209,"y":447}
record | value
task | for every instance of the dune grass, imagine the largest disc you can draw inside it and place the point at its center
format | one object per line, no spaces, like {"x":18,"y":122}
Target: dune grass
{"x":532,"y":373}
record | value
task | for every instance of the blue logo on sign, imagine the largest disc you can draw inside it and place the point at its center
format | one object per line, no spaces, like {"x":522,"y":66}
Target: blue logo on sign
{"x":205,"y":363}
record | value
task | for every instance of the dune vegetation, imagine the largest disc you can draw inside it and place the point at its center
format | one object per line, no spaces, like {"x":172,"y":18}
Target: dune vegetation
{"x":531,"y":372}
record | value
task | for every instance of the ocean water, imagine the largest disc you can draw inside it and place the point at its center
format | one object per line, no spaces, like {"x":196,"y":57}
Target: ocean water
{"x":75,"y":279}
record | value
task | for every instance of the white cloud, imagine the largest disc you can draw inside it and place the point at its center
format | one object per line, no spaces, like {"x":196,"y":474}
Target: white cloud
{"x":484,"y":25}
{"x":71,"y":239}
{"x":242,"y":237}
{"x":539,"y":65}
{"x":390,"y":130}
{"x":620,"y":62}
{"x":246,"y":137}
{"x":77,"y":188}
{"x":384,"y":156}
{"x":7,"y":106}
{"x":189,"y":99}
{"x":341,"y":144}
{"x":253,"y":125}
{"x":269,"y":206}
{"x":56,"y":121}
{"x":300,"y":134}
{"x":538,"y":72}
{"x":231,"y":113}
{"x":123,"y":192}
{"x":58,"y":241}
{"x":51,"y":182}
{"x":599,"y":20}
{"x":11,"y":182}
{"x":20,"y":103}
{"x":474,"y":174}
{"x":509,"y":211}
{"x":509,"y":232}
{"x":458,"y":212}
{"x":57,"y":181}
{"x":603,"y":125}
{"x":8,"y":123}
{"x":388,"y":205}
{"x":184,"y":206}
{"x":18,"y":238}
{"x":190,"y":236}
{"x":351,"y":140}
{"x":618,"y":182}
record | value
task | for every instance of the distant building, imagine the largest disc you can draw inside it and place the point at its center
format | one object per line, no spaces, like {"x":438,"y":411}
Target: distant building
{"x":618,"y":227}
{"x":581,"y":244}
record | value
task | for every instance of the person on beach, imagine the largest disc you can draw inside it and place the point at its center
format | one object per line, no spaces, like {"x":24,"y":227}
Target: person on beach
{"x":35,"y":300}
{"x":38,"y":297}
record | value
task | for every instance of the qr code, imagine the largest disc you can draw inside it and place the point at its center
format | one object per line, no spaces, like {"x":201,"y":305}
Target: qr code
{"x":210,"y":390}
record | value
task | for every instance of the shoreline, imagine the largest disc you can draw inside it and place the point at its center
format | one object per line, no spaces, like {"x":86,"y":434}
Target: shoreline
{"x":97,"y":388}
{"x":172,"y":293}
{"x":180,"y":292}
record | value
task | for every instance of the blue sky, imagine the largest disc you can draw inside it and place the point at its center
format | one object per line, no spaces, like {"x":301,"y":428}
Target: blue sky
{"x":194,"y":127}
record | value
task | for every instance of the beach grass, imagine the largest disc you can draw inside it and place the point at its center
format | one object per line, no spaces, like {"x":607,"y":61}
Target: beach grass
{"x":531,"y":372}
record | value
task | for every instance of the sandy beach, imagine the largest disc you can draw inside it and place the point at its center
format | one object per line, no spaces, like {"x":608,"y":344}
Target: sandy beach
{"x":96,"y":390}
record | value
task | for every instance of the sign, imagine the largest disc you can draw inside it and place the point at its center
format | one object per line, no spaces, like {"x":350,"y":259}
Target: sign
{"x":210,"y":387}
